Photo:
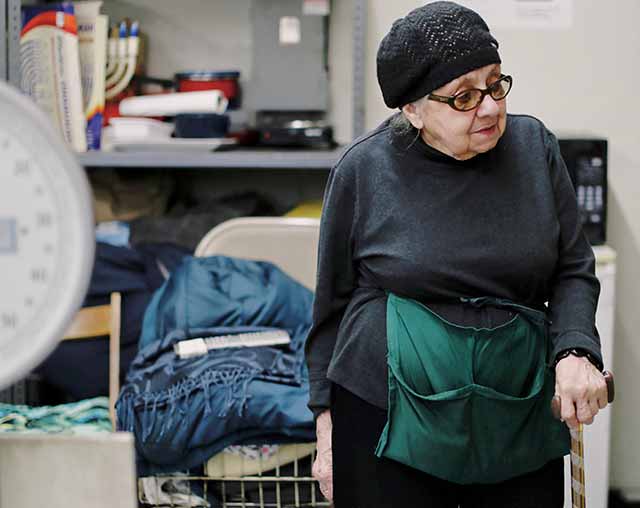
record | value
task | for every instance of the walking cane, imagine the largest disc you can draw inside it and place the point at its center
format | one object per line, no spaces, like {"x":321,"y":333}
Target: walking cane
{"x":578,"y":492}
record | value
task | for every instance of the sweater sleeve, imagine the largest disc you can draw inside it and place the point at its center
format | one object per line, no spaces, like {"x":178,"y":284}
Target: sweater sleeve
{"x":575,"y":288}
{"x":335,"y":282}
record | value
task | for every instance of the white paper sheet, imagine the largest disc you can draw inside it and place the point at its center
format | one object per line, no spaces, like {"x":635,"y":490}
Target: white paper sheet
{"x":524,"y":14}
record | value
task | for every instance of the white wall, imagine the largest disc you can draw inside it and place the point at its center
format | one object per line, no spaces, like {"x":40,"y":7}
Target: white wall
{"x":586,"y":78}
{"x":191,"y":34}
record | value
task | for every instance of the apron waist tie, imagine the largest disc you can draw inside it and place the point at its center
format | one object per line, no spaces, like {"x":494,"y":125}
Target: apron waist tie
{"x":534,"y":315}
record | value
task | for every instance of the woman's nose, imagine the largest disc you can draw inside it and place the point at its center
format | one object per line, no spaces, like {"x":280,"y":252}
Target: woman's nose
{"x":488,"y":106}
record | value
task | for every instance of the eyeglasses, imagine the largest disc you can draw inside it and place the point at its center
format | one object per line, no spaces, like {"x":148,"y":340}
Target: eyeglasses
{"x":472,"y":98}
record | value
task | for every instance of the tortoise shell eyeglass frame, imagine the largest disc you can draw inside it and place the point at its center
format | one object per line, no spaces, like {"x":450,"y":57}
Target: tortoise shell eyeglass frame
{"x":498,"y":90}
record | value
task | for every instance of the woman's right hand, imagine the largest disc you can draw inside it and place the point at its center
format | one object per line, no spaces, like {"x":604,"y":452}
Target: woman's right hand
{"x":323,"y":465}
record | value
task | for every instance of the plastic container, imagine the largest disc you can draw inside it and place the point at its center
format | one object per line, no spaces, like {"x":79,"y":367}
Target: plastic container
{"x":50,"y":67}
{"x":92,"y":38}
{"x":201,"y":125}
{"x":225,"y":81}
{"x":132,"y":128}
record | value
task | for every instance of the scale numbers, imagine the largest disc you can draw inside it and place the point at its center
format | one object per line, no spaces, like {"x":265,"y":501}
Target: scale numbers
{"x":27,"y":236}
{"x":46,"y":235}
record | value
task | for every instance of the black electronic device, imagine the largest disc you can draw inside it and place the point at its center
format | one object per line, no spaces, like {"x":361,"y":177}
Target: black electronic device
{"x":304,"y":129}
{"x":586,"y":160}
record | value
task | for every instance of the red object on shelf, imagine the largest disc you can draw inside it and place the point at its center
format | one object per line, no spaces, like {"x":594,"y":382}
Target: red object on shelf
{"x":226,"y":82}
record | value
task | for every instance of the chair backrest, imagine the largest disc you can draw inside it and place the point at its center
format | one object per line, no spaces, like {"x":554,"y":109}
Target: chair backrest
{"x":290,"y":243}
{"x":98,"y":321}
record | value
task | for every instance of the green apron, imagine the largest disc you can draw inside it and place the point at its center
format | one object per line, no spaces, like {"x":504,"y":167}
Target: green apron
{"x":466,"y":404}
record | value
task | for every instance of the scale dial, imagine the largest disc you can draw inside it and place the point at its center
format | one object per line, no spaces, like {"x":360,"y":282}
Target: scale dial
{"x":46,"y":236}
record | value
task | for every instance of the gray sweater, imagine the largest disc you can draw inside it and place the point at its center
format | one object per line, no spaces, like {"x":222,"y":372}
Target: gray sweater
{"x":405,"y":218}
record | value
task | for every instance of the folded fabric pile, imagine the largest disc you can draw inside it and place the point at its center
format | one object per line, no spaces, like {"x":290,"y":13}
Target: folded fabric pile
{"x":86,"y":416}
{"x":184,"y":410}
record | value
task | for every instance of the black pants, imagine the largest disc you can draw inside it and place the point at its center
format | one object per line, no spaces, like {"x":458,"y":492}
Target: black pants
{"x":362,"y":480}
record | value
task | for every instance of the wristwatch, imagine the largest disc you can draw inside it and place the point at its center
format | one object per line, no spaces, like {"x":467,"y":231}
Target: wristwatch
{"x":581,"y":353}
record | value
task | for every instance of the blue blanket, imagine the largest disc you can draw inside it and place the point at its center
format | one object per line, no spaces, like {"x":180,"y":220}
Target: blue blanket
{"x":183,"y":411}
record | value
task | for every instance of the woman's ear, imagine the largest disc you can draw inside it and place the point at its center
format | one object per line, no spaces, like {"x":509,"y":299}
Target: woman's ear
{"x":410,"y":111}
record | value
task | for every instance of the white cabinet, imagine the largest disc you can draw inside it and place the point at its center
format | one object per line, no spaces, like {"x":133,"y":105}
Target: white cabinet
{"x":597,"y":435}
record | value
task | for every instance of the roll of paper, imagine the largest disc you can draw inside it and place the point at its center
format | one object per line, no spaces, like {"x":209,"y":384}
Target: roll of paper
{"x":208,"y":101}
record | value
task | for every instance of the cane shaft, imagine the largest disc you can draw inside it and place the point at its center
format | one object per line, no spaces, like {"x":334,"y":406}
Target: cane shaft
{"x":578,"y":494}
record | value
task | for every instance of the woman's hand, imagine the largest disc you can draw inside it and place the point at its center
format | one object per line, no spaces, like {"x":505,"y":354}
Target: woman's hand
{"x":582,"y":390}
{"x":323,"y":465}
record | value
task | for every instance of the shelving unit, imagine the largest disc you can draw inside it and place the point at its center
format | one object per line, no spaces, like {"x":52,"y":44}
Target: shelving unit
{"x":10,"y":21}
{"x":3,"y":42}
{"x":259,"y":159}
{"x":232,"y":159}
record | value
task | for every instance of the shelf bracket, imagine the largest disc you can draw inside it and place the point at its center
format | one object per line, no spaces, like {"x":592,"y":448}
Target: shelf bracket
{"x":359,"y":58}
{"x":13,"y":24}
{"x":4,"y":56}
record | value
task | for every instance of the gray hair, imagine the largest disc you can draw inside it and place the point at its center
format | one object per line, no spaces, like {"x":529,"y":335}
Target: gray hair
{"x":401,"y":127}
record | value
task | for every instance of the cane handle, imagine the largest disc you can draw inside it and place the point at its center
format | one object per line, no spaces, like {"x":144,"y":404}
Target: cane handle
{"x":611,"y":387}
{"x":611,"y":393}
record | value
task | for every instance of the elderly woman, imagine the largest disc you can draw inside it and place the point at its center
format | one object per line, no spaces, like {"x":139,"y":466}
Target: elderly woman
{"x":455,"y":292}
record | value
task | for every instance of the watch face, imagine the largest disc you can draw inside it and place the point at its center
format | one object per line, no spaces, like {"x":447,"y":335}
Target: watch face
{"x":46,"y":236}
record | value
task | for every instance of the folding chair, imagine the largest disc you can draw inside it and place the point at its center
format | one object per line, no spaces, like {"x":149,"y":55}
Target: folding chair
{"x":288,"y":242}
{"x":98,"y":321}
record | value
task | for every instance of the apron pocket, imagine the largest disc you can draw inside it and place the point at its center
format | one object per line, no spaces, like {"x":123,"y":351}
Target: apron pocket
{"x":473,"y":434}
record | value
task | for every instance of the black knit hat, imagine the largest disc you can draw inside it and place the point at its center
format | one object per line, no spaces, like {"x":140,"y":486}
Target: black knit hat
{"x":429,"y":47}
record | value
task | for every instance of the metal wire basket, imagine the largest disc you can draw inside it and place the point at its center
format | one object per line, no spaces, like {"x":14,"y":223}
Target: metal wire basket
{"x":279,"y":481}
